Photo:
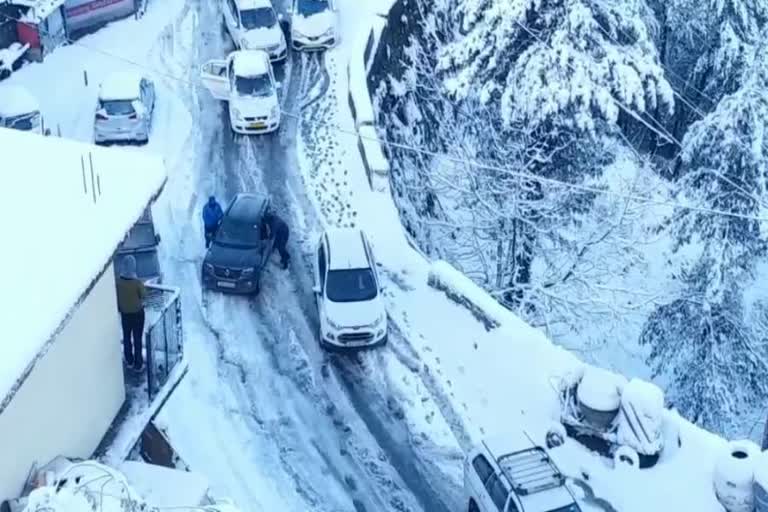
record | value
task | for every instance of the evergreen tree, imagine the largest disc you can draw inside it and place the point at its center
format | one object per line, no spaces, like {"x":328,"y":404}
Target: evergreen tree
{"x":572,"y":62}
{"x":702,"y":339}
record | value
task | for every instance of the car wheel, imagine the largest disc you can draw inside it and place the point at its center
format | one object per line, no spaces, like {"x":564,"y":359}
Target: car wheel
{"x":473,"y":506}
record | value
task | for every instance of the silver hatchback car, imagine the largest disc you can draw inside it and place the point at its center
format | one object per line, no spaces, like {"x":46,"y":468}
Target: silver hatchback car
{"x":124,"y":110}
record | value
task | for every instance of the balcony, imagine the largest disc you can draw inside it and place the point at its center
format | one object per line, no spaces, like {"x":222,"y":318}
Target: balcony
{"x":146,"y":392}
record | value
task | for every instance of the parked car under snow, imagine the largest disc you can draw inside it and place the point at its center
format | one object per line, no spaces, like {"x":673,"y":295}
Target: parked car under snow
{"x":615,"y":417}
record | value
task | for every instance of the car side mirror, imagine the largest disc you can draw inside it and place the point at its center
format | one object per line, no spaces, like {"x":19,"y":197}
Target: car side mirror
{"x":316,"y":289}
{"x":279,"y":85}
{"x":157,"y":238}
{"x":47,"y":132}
{"x":280,"y":17}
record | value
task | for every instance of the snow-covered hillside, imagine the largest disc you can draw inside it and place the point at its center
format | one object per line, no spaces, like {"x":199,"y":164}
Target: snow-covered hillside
{"x":271,"y":419}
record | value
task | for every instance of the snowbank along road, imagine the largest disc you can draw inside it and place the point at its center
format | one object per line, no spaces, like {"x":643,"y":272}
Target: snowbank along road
{"x":314,"y":423}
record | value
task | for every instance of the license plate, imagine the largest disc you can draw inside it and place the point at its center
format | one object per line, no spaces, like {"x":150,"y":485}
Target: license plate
{"x":258,"y":126}
{"x":225,"y":284}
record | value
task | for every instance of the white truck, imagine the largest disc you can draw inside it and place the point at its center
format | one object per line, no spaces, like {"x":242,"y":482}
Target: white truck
{"x":500,"y":479}
{"x":246,"y":80}
{"x":20,"y":110}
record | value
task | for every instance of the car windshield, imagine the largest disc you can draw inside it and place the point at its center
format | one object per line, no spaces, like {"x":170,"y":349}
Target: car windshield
{"x":259,"y":85}
{"x":310,"y":7}
{"x":118,"y":107}
{"x":237,"y":233}
{"x":353,"y":285}
{"x":263,"y":17}
{"x":22,"y":122}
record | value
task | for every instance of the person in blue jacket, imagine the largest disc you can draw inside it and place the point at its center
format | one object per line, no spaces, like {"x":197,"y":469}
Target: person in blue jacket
{"x":212,"y":215}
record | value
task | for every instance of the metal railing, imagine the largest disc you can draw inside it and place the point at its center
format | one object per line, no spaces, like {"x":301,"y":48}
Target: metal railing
{"x":164,"y":335}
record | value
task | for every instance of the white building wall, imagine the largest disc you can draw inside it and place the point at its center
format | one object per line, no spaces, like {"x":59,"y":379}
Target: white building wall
{"x":70,"y":398}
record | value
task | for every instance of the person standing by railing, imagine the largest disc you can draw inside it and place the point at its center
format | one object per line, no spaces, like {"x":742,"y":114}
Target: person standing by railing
{"x":130,"y":302}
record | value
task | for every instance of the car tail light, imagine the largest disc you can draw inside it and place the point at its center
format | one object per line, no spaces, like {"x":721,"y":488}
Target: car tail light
{"x":101,"y":117}
{"x":132,"y":116}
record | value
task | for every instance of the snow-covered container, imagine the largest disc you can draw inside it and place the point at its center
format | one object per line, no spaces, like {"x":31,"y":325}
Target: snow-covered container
{"x":641,"y":420}
{"x":19,"y":109}
{"x":599,"y":396}
{"x":734,"y":476}
{"x":760,"y":485}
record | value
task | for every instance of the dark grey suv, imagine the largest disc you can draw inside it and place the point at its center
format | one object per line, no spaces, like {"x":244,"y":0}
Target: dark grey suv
{"x":239,"y":250}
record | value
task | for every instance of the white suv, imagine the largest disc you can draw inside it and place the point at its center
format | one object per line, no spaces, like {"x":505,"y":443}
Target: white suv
{"x":254,"y":25}
{"x":497,"y":479}
{"x":351,"y":309}
{"x":245,"y":80}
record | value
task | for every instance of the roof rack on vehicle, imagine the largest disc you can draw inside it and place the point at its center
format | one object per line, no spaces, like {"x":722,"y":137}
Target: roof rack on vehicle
{"x":530,"y":471}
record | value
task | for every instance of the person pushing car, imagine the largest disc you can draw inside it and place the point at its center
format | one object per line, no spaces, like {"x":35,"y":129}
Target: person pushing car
{"x":272,"y":225}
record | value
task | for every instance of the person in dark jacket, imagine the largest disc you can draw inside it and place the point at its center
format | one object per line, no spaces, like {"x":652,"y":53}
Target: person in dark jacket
{"x":212,"y":215}
{"x":272,"y":225}
{"x":130,"y":303}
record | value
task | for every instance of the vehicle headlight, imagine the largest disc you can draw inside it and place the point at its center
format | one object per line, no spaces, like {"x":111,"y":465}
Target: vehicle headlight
{"x":379,"y":320}
{"x":332,"y":323}
{"x":236,"y":113}
{"x":274,"y":112}
{"x":248,"y":272}
{"x":208,"y":267}
{"x":244,"y":44}
{"x":327,"y":33}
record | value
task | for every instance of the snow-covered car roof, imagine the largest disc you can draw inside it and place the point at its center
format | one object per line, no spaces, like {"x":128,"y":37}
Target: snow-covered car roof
{"x":346,"y":249}
{"x":121,"y":85}
{"x":16,"y":100}
{"x":251,"y":62}
{"x":102,"y":208}
{"x":253,"y":4}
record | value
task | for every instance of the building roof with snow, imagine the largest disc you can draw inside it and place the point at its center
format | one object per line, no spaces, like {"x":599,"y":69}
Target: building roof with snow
{"x":251,"y":62}
{"x":67,"y":207}
{"x":121,"y":85}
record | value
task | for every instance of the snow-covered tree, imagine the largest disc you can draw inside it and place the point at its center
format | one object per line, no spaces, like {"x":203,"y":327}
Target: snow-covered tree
{"x":729,"y":45}
{"x":566,"y":61}
{"x":702,"y":338}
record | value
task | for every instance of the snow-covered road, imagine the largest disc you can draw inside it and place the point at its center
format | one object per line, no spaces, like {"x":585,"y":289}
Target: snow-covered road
{"x":272,"y":419}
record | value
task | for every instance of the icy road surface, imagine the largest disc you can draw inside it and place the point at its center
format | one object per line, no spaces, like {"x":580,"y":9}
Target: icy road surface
{"x":274,"y":421}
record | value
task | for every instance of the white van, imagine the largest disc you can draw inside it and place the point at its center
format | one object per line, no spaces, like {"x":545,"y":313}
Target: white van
{"x":20,"y":110}
{"x":246,"y":80}
{"x":502,"y":478}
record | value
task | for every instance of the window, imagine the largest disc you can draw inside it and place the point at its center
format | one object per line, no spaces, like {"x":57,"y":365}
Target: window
{"x":259,"y":85}
{"x":497,"y":491}
{"x":118,"y":107}
{"x":263,"y":17}
{"x":321,"y":263}
{"x":310,"y":7}
{"x":242,"y":234}
{"x":482,"y":467}
{"x":354,"y":285}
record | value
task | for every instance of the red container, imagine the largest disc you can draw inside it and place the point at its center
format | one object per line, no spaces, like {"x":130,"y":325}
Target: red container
{"x":28,"y":33}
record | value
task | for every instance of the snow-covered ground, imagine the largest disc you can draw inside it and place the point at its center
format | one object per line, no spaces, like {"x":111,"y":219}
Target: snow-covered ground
{"x":274,"y":422}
